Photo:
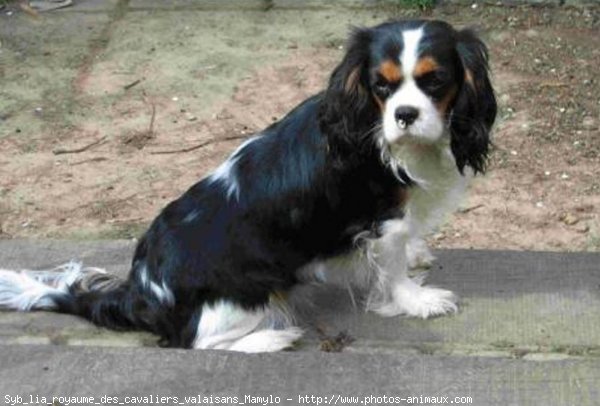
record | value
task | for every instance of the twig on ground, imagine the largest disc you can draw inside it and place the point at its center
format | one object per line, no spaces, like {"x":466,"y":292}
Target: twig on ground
{"x":96,"y":159}
{"x":78,"y":150}
{"x":125,"y":220}
{"x":333,"y":343}
{"x":201,"y":145}
{"x":472,"y":208}
{"x":151,"y":129}
{"x":132,"y":84}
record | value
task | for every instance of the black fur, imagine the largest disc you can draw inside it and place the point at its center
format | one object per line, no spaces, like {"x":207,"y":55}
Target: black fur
{"x":297,"y":204}
{"x":474,"y":110}
{"x":307,"y":186}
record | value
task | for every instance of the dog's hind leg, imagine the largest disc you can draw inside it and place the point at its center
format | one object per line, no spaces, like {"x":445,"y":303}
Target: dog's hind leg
{"x":225,"y":325}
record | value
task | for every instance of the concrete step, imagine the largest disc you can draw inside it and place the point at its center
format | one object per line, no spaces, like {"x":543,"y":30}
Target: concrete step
{"x":532,"y":305}
{"x":129,"y":372}
{"x":528,"y":333}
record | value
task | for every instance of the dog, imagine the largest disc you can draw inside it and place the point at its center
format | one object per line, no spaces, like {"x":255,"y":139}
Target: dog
{"x":353,"y":177}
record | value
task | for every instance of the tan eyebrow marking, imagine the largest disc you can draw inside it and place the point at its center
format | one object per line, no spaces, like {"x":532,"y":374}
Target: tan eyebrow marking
{"x":424,"y":66}
{"x":390,"y":71}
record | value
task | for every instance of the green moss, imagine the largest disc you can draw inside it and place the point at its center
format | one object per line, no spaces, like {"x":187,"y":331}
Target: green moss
{"x":419,"y":4}
{"x":502,"y":344}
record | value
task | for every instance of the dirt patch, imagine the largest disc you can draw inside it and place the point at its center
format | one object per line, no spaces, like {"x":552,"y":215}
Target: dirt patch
{"x":115,"y":188}
{"x":541,"y":192}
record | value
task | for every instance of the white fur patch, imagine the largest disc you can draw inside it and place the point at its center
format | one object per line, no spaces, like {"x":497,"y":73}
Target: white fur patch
{"x":410,"y":51}
{"x":440,"y":186}
{"x":33,"y":290}
{"x":395,"y":292}
{"x":191,"y":216}
{"x":227,"y":326}
{"x":225,"y":173}
{"x":411,"y":299}
{"x":162,"y":291}
{"x":267,"y":340}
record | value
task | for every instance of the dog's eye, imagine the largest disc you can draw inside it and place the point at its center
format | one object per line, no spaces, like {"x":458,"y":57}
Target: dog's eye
{"x":433,"y":81}
{"x":382,"y":88}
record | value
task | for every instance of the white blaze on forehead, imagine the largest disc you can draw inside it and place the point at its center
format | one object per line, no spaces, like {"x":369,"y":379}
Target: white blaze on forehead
{"x":410,"y":52}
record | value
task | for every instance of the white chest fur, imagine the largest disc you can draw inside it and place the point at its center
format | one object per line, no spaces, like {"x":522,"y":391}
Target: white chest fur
{"x":439,"y":185}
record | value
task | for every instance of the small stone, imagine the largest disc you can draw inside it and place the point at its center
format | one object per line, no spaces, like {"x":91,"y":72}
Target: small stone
{"x":175,"y":98}
{"x":564,"y":176}
{"x":569,"y":219}
{"x":439,"y":236}
{"x":531,"y":33}
{"x":547,"y":173}
{"x":513,"y":153}
{"x":589,"y":123}
{"x":190,"y":117}
{"x":223,"y":116}
{"x":539,"y":205}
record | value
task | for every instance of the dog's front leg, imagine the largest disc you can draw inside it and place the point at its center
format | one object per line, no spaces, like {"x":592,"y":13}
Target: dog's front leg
{"x":418,"y":254}
{"x":394,"y":292}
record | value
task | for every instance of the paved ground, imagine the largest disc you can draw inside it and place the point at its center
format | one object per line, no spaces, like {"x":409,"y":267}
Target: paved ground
{"x":528,"y":333}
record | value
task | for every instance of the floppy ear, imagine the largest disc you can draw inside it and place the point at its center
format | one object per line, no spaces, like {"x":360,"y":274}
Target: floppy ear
{"x":347,"y":113}
{"x":474,"y":110}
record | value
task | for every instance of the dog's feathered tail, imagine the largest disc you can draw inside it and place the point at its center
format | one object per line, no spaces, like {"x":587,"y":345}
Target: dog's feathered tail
{"x":91,"y":293}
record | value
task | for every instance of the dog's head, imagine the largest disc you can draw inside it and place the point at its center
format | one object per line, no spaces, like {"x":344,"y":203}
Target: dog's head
{"x":413,"y":81}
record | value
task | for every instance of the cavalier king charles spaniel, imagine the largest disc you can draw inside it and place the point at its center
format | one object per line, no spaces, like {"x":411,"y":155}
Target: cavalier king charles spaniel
{"x":352,"y":178}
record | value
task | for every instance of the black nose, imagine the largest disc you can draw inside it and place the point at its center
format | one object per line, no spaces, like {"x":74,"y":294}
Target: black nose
{"x":406,"y":115}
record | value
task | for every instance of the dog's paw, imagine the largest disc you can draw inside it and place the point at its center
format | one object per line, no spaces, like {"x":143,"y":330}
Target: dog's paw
{"x":413,"y":300}
{"x":418,"y":255}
